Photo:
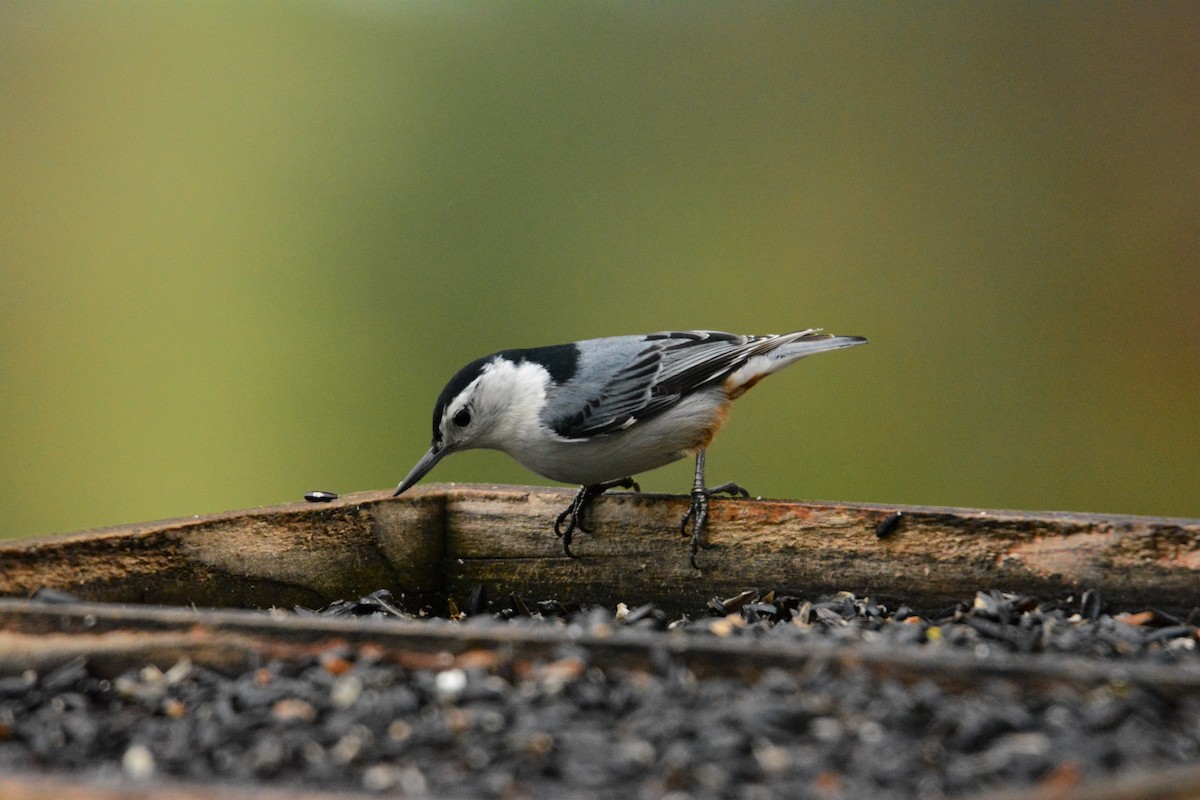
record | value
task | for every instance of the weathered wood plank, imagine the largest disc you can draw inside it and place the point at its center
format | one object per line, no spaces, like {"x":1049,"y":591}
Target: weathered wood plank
{"x":59,"y":787}
{"x":1165,"y":783}
{"x":300,"y":553}
{"x":443,"y":540}
{"x":503,"y":538}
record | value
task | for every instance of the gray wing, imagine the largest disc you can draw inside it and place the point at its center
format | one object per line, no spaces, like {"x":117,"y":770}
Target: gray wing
{"x":626,"y":379}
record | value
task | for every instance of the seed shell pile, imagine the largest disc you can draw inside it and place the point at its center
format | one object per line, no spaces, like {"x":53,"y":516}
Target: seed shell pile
{"x":570,"y":725}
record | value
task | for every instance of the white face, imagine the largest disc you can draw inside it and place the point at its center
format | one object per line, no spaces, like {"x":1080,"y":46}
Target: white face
{"x":461,"y":424}
{"x":497,"y":410}
{"x":458,"y":429}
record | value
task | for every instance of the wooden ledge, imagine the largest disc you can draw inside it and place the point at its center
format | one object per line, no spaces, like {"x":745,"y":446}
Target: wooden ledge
{"x":442,"y":540}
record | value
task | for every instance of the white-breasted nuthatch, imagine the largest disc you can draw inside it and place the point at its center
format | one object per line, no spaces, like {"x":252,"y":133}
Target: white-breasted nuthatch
{"x":599,"y":411}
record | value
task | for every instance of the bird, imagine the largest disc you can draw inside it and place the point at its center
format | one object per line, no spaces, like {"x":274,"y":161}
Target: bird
{"x":599,"y":411}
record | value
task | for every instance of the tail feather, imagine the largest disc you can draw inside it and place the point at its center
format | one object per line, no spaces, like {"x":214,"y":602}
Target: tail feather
{"x":782,"y":351}
{"x":789,"y":349}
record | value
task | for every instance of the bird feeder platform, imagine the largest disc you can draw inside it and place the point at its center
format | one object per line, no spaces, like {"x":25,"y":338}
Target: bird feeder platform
{"x":195,"y":590}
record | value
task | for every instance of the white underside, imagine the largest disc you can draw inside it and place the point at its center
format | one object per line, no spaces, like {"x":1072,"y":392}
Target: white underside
{"x":647,"y":445}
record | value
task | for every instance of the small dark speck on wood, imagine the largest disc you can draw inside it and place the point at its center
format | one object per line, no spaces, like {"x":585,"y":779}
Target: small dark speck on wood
{"x":889,"y":525}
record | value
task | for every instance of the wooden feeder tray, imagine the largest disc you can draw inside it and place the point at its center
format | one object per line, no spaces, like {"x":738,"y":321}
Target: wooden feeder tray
{"x":153,"y":593}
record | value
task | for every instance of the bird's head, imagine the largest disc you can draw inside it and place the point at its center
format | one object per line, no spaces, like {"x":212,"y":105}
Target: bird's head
{"x":485,"y":405}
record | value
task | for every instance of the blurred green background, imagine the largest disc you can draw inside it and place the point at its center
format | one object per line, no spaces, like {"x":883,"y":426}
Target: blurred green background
{"x":242,"y":246}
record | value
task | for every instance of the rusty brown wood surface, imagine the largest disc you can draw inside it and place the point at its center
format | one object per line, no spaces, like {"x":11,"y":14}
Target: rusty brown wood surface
{"x":1181,"y":783}
{"x":61,"y":787}
{"x":442,"y":540}
{"x":935,"y":556}
{"x":1168,"y":783}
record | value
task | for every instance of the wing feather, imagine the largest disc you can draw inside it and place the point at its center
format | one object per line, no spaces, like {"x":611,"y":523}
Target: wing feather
{"x":668,"y":367}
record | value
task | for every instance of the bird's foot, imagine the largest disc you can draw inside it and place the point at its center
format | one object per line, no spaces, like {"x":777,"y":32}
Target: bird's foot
{"x":698,"y":511}
{"x":573,"y":514}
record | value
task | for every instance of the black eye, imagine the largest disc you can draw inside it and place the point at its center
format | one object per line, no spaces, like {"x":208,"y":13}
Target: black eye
{"x":463,"y":418}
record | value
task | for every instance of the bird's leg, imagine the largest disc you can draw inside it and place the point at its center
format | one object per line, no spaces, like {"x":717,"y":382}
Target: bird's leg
{"x":699,"y":506}
{"x":574,"y":512}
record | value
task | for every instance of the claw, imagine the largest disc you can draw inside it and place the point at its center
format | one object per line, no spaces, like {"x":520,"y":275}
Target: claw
{"x":729,"y":489}
{"x":574,"y":512}
{"x":698,"y":510}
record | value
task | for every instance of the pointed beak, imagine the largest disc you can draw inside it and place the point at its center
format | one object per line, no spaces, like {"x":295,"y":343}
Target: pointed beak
{"x":422,"y":468}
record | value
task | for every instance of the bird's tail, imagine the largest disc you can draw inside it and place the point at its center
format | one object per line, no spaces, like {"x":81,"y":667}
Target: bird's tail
{"x":791,"y":346}
{"x":776,"y":352}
